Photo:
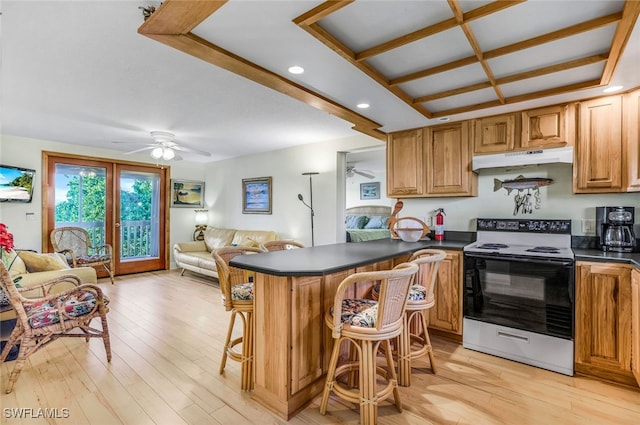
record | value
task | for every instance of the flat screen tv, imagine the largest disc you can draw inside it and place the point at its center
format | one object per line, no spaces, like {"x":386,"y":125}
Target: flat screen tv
{"x":16,"y":184}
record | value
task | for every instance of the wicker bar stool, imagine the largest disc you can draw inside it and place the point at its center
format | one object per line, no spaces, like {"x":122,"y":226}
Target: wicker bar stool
{"x":237,"y":297}
{"x":421,"y":299}
{"x":366,"y":325}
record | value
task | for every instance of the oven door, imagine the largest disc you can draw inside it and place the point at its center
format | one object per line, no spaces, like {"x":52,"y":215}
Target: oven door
{"x":528,"y":293}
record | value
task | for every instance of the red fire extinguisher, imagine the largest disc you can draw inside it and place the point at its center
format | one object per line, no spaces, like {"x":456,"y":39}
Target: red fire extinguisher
{"x":440,"y":224}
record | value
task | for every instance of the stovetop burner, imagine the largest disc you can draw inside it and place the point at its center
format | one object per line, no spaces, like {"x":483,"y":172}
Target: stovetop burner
{"x":492,"y":246}
{"x":545,"y":249}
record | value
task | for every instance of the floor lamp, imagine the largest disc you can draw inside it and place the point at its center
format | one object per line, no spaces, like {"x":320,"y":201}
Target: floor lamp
{"x":310,"y":205}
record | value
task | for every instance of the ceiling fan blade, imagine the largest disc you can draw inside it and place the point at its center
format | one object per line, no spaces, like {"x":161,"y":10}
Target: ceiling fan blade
{"x":186,"y":149}
{"x":139,"y":150}
{"x":364,"y":173}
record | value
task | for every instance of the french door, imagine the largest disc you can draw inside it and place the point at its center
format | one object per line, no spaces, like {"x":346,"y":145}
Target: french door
{"x":118,"y":203}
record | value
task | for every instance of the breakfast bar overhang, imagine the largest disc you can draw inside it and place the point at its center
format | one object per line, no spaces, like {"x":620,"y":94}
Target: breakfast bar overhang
{"x":292,"y":291}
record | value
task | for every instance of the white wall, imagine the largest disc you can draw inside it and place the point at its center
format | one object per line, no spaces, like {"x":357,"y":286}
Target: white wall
{"x":27,"y":153}
{"x":353,"y":191}
{"x":289,"y":218}
{"x":557,"y":201}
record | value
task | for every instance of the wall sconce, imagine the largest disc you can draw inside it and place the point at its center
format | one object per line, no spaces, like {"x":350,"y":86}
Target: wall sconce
{"x":201,"y":224}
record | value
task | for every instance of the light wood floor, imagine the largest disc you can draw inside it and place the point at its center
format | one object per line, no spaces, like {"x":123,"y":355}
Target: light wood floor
{"x":166,"y":335}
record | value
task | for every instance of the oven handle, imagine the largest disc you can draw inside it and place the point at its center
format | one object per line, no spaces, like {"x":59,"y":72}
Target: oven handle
{"x":561,"y":262}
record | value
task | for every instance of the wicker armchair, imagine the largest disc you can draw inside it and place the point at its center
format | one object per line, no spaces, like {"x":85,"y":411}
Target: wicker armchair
{"x":237,"y":297}
{"x":367,"y":324}
{"x":75,"y":243}
{"x":280,"y":245}
{"x":40,"y":321}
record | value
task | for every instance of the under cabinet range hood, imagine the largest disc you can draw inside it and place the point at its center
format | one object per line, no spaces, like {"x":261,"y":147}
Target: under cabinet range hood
{"x":523,"y":158}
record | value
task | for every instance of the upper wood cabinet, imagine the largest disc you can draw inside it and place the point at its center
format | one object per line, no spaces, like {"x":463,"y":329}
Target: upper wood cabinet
{"x":631,"y":124}
{"x":553,"y":126}
{"x":598,"y":166}
{"x":495,"y":134}
{"x":448,"y":159}
{"x":405,"y":164}
{"x":431,"y":162}
{"x":603,"y":321}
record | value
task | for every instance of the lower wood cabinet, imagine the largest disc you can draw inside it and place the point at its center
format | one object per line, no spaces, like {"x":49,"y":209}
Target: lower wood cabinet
{"x":604,"y":316}
{"x":446,"y":316}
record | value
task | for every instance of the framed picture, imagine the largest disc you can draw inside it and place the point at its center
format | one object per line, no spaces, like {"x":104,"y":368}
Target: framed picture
{"x":370,"y":190}
{"x":256,"y":195}
{"x":187,"y":193}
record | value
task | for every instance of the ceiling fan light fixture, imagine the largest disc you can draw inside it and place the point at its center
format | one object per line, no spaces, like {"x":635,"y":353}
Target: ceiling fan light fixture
{"x":157,"y":153}
{"x":168,"y":154}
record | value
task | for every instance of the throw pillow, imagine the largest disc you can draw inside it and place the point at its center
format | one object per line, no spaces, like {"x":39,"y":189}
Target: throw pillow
{"x":43,"y":262}
{"x":355,"y":221}
{"x":377,"y":222}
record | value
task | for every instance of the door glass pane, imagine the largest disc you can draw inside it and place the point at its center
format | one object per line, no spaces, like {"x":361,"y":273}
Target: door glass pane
{"x":80,"y":199}
{"x":139,"y":215}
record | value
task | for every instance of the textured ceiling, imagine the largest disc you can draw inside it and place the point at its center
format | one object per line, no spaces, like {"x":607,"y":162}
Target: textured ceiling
{"x":79,"y":72}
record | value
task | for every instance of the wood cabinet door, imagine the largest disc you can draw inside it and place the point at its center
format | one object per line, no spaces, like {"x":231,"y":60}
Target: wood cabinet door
{"x":598,"y":164}
{"x":632,"y":130}
{"x":553,"y":126}
{"x":635,"y":324}
{"x":495,"y":134}
{"x":405,"y":163}
{"x":448,"y":159}
{"x":446,"y":314}
{"x":603,"y":321}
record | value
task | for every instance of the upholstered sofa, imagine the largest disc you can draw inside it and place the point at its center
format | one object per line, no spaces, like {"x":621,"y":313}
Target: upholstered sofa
{"x":33,"y":269}
{"x":196,"y":256}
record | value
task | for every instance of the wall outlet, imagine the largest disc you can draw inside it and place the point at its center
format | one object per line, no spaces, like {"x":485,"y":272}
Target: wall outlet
{"x":589,"y":227}
{"x":429,"y":221}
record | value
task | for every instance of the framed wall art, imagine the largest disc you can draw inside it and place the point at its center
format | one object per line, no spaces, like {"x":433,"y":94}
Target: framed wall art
{"x":256,"y":195}
{"x":187,"y":193}
{"x":370,"y":190}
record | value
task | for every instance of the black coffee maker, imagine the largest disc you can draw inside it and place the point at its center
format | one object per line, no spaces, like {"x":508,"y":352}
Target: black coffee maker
{"x":614,"y":229}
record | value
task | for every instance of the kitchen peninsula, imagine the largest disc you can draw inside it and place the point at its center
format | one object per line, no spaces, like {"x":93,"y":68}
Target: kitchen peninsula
{"x":293,"y":289}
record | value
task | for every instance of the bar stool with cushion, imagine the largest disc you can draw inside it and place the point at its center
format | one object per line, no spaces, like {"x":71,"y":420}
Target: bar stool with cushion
{"x":237,"y":297}
{"x":366,"y":325}
{"x":280,"y":245}
{"x":421,"y":299}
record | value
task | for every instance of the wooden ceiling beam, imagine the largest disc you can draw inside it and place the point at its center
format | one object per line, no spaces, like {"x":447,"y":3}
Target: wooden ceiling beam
{"x":441,"y":26}
{"x":554,"y":35}
{"x":179,"y":16}
{"x":620,"y":39}
{"x":321,"y":11}
{"x":520,"y":98}
{"x":337,"y":46}
{"x":515,"y":77}
{"x":171,"y":24}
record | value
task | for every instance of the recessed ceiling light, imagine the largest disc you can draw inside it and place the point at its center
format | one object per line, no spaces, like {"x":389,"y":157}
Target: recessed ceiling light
{"x":612,"y":89}
{"x":296,"y":69}
{"x":443,"y":119}
{"x":363,"y":105}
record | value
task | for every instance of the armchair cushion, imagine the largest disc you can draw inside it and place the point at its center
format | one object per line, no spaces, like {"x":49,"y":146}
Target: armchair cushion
{"x":75,"y":305}
{"x":92,"y":258}
{"x":35,"y":262}
{"x":359,"y":312}
{"x":243,"y":291}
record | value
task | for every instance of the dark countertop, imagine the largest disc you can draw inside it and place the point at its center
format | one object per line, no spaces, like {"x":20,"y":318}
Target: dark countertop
{"x":582,"y":254}
{"x":327,"y":259}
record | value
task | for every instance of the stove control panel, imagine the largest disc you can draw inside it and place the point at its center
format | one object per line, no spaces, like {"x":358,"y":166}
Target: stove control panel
{"x":562,"y":227}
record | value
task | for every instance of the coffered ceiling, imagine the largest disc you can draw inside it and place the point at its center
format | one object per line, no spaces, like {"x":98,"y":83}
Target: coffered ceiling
{"x":414,"y":62}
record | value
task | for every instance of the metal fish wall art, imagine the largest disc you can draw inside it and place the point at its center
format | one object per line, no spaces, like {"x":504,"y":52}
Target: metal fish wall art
{"x":523,"y":202}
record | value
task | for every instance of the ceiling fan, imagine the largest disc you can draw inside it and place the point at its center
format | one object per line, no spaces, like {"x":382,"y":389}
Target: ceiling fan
{"x":164,"y":147}
{"x":351,"y":171}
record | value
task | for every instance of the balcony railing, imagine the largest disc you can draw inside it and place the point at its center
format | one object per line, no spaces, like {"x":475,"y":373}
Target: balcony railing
{"x":136,"y":237}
